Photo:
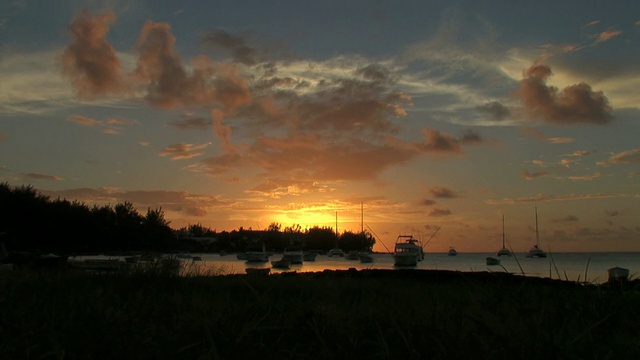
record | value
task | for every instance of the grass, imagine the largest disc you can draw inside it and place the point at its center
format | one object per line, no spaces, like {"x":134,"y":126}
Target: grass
{"x":373,"y":314}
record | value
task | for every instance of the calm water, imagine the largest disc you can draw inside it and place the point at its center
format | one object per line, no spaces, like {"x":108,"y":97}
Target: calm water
{"x":571,"y":266}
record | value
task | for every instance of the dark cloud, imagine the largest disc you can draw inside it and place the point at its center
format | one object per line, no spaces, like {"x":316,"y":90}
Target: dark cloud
{"x":437,"y":142}
{"x":575,"y":104}
{"x":426,"y":202}
{"x":470,"y":137}
{"x":90,"y":61}
{"x":236,"y":45}
{"x":494,"y":110}
{"x":443,"y":192}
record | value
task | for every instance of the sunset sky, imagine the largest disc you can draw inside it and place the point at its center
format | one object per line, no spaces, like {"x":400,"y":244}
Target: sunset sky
{"x":237,"y":114}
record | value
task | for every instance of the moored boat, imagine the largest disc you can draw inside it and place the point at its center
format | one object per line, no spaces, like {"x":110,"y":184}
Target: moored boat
{"x":492,"y":261}
{"x":309,"y":256}
{"x":504,"y":251}
{"x":294,"y":254}
{"x":335,"y":252}
{"x":535,"y":251}
{"x":452,"y":251}
{"x":257,"y":254}
{"x":281,"y":264}
{"x":407,"y":252}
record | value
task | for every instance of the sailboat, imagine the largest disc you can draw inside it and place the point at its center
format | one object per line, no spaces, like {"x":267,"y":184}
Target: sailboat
{"x":336,"y":251}
{"x":365,"y":257}
{"x":535,"y":251}
{"x":504,"y":251}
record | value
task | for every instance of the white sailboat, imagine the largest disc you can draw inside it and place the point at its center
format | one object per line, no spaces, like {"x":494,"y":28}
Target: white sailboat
{"x":536,"y":251}
{"x":504,"y":251}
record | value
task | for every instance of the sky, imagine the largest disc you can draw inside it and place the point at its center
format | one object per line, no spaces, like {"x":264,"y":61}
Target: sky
{"x":396,"y":117}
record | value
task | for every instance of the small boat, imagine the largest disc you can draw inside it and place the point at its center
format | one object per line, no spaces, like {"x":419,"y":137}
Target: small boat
{"x":281,"y":264}
{"x":407,"y":252}
{"x":309,"y":256}
{"x":618,"y":275}
{"x":492,"y":261}
{"x":352,"y":255}
{"x":365,"y":257}
{"x":257,"y":271}
{"x":535,"y":251}
{"x":257,"y":254}
{"x":294,"y":254}
{"x":452,"y":251}
{"x":335,"y":252}
{"x":504,"y":251}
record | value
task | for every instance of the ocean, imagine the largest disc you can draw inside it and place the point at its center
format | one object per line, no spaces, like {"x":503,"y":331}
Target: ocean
{"x":592,"y":267}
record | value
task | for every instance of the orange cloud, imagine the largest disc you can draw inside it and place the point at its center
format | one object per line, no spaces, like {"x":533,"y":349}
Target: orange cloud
{"x":183,"y":151}
{"x":90,"y":61}
{"x":575,"y":104}
{"x":607,"y":35}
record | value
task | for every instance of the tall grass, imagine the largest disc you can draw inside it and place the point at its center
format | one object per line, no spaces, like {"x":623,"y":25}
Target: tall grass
{"x":366,"y":314}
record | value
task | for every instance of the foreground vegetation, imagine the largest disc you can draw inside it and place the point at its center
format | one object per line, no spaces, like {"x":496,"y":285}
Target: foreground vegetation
{"x":373,"y":314}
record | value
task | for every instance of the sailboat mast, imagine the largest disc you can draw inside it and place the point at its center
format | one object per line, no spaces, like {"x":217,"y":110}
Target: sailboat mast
{"x":537,"y":233}
{"x":362,"y":217}
{"x":503,"y":231}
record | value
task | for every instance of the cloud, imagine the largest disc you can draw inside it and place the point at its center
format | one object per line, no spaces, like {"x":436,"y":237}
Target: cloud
{"x":440,"y":212}
{"x":39,"y":176}
{"x":623,"y":158}
{"x":276,"y":188}
{"x":90,"y":61}
{"x":236,"y":46}
{"x":532,"y":175}
{"x":437,"y":142}
{"x":581,"y":153}
{"x":607,"y":35}
{"x":575,"y":104}
{"x":494,"y":110}
{"x":176,"y":201}
{"x":546,"y":197}
{"x":183,"y":151}
{"x":441,"y":192}
{"x":561,"y":140}
{"x":585,"y":177}
{"x":426,"y":202}
{"x":199,"y":123}
{"x":111,"y":126}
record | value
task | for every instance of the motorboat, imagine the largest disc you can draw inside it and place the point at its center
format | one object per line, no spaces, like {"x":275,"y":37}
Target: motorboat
{"x":492,"y":261}
{"x":452,"y":251}
{"x":294,"y":254}
{"x":407,"y":252}
{"x":309,"y":256}
{"x":335,"y":252}
{"x":365,"y":257}
{"x":257,"y":254}
{"x":504,"y":251}
{"x":535,"y":251}
{"x":352,"y":255}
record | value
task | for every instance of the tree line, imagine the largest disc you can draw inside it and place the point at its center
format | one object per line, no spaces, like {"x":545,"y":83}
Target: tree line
{"x":31,"y":221}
